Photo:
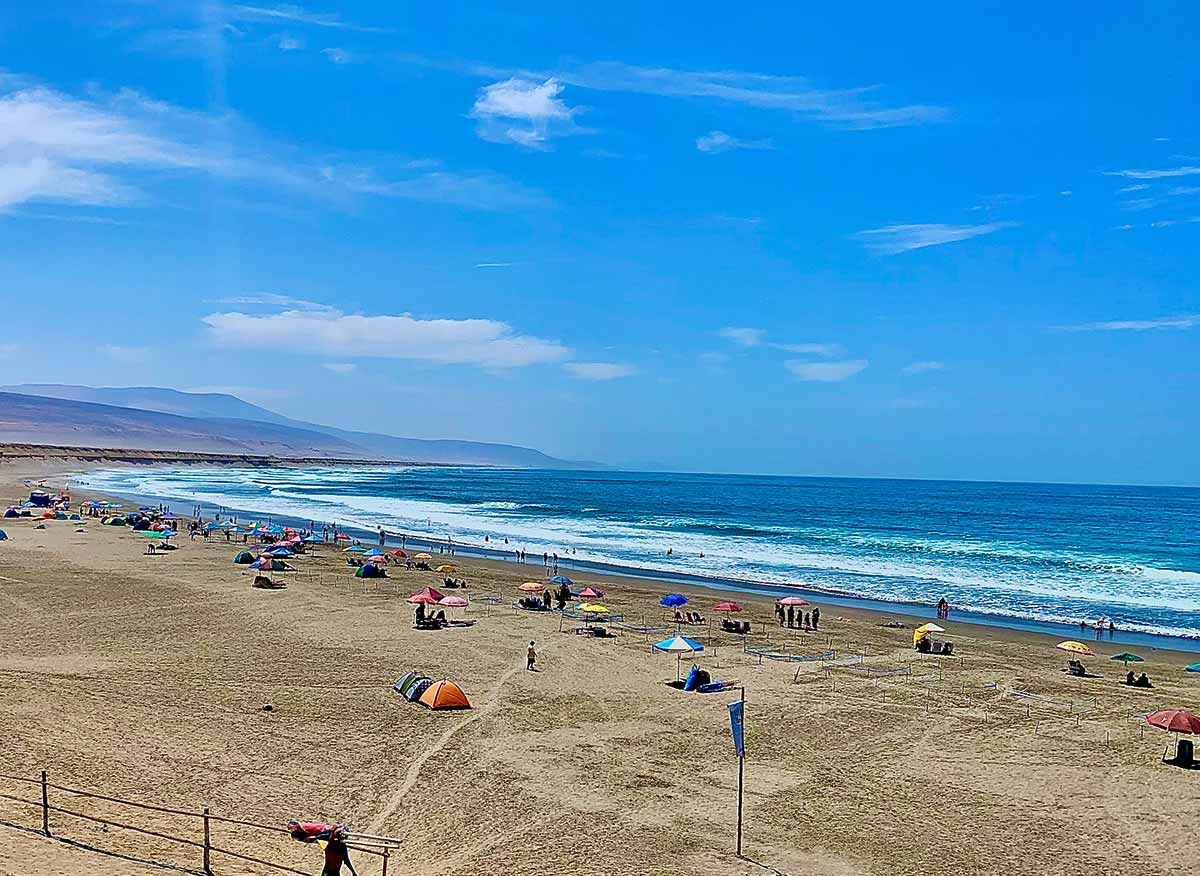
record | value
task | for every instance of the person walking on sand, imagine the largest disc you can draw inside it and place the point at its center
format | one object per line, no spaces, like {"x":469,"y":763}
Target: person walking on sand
{"x":530,"y":657}
{"x":336,"y":854}
{"x":816,"y":616}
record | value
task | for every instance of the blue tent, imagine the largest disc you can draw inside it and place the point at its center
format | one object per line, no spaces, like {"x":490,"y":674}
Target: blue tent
{"x":673,"y":600}
{"x":3,"y":535}
{"x":1195,"y":667}
{"x":280,"y":552}
{"x":562,"y":579}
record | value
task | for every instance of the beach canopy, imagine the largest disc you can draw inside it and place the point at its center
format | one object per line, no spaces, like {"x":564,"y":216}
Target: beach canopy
{"x":1072,"y":647}
{"x":422,"y":556}
{"x":1195,"y":667}
{"x":590,"y":593}
{"x":562,"y":579}
{"x":446,"y":567}
{"x":531,"y":587}
{"x":1175,"y":720}
{"x":428,"y":596}
{"x":1126,"y":658}
{"x":444,"y":695}
{"x":922,"y":631}
{"x":727,"y":606}
{"x":3,"y":535}
{"x":369,"y":570}
{"x":791,"y":600}
{"x":453,"y":601}
{"x":673,"y":600}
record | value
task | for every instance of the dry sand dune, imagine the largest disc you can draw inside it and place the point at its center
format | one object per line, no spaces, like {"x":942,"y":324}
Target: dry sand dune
{"x":145,"y":676}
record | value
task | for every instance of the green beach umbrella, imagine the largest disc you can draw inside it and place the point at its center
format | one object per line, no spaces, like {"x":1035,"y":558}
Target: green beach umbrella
{"x":1126,"y":658}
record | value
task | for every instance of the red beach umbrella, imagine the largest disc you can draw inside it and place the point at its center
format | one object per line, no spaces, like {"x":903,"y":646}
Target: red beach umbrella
{"x":429,"y":596}
{"x":1175,"y":720}
{"x":399,"y":553}
{"x":727,"y":606}
{"x":591,"y":593}
{"x":791,"y":600}
{"x":453,"y":602}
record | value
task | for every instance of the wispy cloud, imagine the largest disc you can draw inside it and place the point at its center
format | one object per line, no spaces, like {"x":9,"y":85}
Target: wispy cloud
{"x":524,"y":112}
{"x":923,"y":367}
{"x":339,"y":56}
{"x":485,"y":343}
{"x":1165,"y":173}
{"x":600,"y":370}
{"x":287,"y":43}
{"x":826,"y":372}
{"x":416,"y":182}
{"x":715,"y":142}
{"x":746,"y":337}
{"x":494,"y":265}
{"x":342,"y":368}
{"x":893,"y":239}
{"x":297,"y":15}
{"x":1136,"y":187}
{"x":810,"y":349}
{"x":1181,"y":322}
{"x":272,"y":299}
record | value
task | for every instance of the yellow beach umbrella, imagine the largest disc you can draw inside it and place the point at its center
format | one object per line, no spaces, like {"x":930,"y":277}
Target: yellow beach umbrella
{"x":422,"y":556}
{"x":1079,"y":648}
{"x":593,"y":608}
{"x":531,"y":587}
{"x":446,"y":567}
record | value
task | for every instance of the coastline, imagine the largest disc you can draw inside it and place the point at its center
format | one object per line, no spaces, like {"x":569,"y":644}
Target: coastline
{"x":762,"y":594}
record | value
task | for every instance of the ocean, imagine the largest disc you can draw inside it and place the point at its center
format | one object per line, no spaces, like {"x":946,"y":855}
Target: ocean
{"x":1010,"y":553}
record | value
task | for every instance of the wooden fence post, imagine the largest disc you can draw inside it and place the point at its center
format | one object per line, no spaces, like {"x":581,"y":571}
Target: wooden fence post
{"x":45,"y":806}
{"x":207,"y":843}
{"x":386,"y":855}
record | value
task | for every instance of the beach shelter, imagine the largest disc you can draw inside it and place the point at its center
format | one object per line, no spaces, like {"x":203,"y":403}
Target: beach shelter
{"x":417,"y":688}
{"x":444,"y":695}
{"x":1126,"y":658}
{"x":1072,"y":647}
{"x":280,"y":552}
{"x":3,"y":535}
{"x":369,"y":570}
{"x":727,"y":607}
{"x":678,"y":645}
{"x":12,"y":512}
{"x":405,"y":680}
{"x":562,"y":579}
{"x":922,"y":631}
{"x":244,"y":558}
{"x":791,"y":600}
{"x":1195,"y":667}
{"x":428,"y":596}
{"x":590,"y":593}
{"x":446,"y":567}
{"x":422,"y":556}
{"x":531,"y":587}
{"x":1176,"y":721}
{"x":673,"y":600}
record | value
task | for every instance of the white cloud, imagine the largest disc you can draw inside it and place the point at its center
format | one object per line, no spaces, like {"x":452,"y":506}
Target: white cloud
{"x":125,"y":355}
{"x":826,"y":372}
{"x":483,"y":342}
{"x":1137,"y":187}
{"x":718,"y":141}
{"x":272,"y":299}
{"x":339,"y":56}
{"x":288,"y":43}
{"x":298,"y":15}
{"x":600,"y":370}
{"x":494,"y":265}
{"x":524,"y":112}
{"x":477,"y":191}
{"x":1178,"y":191}
{"x":893,"y":239}
{"x":1066,"y":193}
{"x":922,"y":367}
{"x":812,"y":349}
{"x":1167,"y":173}
{"x":747,"y":337}
{"x":1183,"y":321}
{"x":339,"y":367}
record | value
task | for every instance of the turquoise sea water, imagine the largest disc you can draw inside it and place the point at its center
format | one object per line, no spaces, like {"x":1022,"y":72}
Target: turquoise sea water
{"x":1038,"y":552}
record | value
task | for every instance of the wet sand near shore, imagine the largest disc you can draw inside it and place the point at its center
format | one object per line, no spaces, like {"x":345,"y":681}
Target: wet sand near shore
{"x":145,"y":676}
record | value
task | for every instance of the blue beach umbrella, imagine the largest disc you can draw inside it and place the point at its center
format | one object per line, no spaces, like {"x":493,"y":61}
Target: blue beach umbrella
{"x":673,"y":600}
{"x":354,"y":548}
{"x":678,"y":645}
{"x":313,"y":539}
{"x":562,"y":579}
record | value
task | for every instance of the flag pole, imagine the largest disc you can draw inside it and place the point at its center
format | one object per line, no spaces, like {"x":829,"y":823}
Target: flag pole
{"x":741,"y":773}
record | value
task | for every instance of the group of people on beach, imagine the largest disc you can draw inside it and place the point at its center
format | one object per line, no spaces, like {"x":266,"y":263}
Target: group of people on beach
{"x":797,"y":619}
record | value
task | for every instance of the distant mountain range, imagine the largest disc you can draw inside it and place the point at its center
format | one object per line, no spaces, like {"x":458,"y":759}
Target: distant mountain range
{"x":153,"y":418}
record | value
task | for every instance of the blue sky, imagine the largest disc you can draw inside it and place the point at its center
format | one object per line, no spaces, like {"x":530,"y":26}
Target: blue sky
{"x":956,"y":242}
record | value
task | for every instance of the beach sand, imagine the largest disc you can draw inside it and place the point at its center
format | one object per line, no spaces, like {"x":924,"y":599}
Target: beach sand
{"x":144,"y":677}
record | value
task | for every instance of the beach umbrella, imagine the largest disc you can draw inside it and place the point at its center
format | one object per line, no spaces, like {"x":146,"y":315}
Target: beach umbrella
{"x":422,"y":556}
{"x":356,"y":549}
{"x":562,"y":579}
{"x":428,"y":596}
{"x":678,"y":645}
{"x":453,"y":602}
{"x":313,"y":539}
{"x":673,"y":600}
{"x":1175,"y":720}
{"x":922,"y":631}
{"x":727,"y":606}
{"x":399,"y":553}
{"x":1195,"y":667}
{"x":1126,"y":658}
{"x":791,"y":600}
{"x":446,"y":567}
{"x":1079,"y":648}
{"x":590,"y":593}
{"x":341,"y":535}
{"x":531,"y":587}
{"x":592,"y":608}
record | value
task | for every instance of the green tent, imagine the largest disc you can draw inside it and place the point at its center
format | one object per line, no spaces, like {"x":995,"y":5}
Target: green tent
{"x":369,"y":570}
{"x":245,"y":558}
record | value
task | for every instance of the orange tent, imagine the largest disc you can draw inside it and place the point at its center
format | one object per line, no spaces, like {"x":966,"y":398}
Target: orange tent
{"x":444,"y":695}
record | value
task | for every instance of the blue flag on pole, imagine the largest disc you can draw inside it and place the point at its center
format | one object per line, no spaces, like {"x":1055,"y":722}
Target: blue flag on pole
{"x":736,"y":711}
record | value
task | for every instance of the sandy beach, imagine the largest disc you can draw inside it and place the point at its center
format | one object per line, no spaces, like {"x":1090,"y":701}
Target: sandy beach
{"x":144,"y":677}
